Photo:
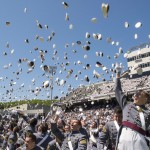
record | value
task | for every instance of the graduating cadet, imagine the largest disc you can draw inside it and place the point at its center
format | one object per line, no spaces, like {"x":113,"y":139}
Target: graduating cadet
{"x":136,"y":118}
{"x":30,"y":143}
{"x":13,"y":139}
{"x":108,"y":136}
{"x":42,"y":136}
{"x":74,"y":140}
{"x":8,"y":140}
{"x":94,"y":132}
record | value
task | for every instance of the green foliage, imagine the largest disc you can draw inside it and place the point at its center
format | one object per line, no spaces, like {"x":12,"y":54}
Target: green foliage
{"x":35,"y":101}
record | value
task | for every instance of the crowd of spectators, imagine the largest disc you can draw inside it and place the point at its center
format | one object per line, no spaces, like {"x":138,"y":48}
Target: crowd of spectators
{"x":14,"y":125}
{"x":107,"y":88}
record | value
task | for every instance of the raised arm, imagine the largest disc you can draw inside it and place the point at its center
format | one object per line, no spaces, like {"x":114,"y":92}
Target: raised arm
{"x":121,"y":98}
{"x":55,"y":130}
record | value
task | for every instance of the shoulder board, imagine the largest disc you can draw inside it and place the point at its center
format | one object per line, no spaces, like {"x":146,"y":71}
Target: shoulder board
{"x":83,"y":141}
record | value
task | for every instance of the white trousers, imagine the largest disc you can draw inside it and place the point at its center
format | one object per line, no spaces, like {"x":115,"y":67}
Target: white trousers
{"x":131,"y":140}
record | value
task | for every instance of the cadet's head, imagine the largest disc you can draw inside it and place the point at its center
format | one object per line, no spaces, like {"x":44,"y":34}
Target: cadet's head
{"x":93,"y":124}
{"x":33,"y":122}
{"x":101,"y":126}
{"x":75,"y":124}
{"x":43,"y":128}
{"x":16,"y":129}
{"x":60,"y":123}
{"x":30,"y":141}
{"x":118,"y":114}
{"x":140,"y":97}
{"x":12,"y":125}
{"x":67,"y":128}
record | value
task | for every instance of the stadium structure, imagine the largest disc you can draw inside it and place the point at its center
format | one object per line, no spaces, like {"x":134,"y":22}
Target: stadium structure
{"x":103,"y":92}
{"x":139,"y":56}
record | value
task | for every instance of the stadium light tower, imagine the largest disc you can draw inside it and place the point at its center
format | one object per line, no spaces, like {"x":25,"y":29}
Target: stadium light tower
{"x":52,"y":70}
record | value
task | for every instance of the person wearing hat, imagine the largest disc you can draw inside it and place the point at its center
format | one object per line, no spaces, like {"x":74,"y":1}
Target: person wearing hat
{"x":107,"y":138}
{"x":135,"y":129}
{"x":74,"y":140}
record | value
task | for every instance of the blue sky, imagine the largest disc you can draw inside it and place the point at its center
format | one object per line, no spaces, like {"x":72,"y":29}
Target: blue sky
{"x":52,"y":13}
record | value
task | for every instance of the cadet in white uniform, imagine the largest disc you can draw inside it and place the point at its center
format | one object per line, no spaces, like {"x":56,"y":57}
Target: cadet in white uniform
{"x":136,"y":119}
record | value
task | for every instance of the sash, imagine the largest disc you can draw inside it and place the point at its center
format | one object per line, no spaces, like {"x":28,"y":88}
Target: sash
{"x":70,"y":143}
{"x":116,"y":124}
{"x":58,"y":146}
{"x":45,"y":137}
{"x":141,"y":114}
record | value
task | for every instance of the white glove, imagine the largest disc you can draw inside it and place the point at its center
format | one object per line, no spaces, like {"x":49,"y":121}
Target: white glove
{"x":59,"y":111}
{"x":118,"y":68}
{"x":49,"y":114}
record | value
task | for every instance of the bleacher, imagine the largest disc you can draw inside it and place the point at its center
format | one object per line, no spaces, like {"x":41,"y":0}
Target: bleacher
{"x":105,"y":90}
